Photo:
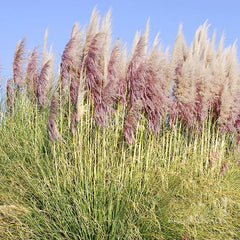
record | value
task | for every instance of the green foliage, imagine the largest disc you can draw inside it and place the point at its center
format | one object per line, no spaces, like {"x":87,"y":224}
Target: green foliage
{"x":180,"y":183}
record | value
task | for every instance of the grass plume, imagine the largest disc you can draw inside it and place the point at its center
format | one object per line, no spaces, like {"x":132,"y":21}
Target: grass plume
{"x":18,"y":63}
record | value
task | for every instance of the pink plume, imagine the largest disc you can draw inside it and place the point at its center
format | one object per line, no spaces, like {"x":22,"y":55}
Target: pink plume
{"x":44,"y":83}
{"x":32,"y":72}
{"x":18,"y":74}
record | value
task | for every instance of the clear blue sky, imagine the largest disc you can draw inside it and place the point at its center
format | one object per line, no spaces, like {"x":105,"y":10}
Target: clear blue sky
{"x":29,"y":18}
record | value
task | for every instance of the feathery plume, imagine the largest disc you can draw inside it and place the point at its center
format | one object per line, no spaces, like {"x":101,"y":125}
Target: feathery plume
{"x":93,"y":29}
{"x":122,"y":83}
{"x":96,"y":60}
{"x":116,"y":87}
{"x":94,"y":75}
{"x":220,"y":46}
{"x":32,"y":72}
{"x":71,"y":58}
{"x":194,"y":77}
{"x":157,"y":99}
{"x":18,"y":75}
{"x":178,"y":57}
{"x":106,"y":48}
{"x":45,"y":81}
{"x":145,"y":87}
{"x":71,"y":70}
{"x":179,"y":51}
{"x":211,"y":53}
{"x":185,"y":92}
{"x":218,"y":71}
{"x":200,"y":43}
{"x":134,"y":45}
{"x":230,"y":98}
{"x":135,"y":86}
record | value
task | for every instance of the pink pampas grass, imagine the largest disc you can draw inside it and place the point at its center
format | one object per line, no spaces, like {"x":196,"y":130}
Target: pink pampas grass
{"x":116,"y":87}
{"x":44,"y":83}
{"x":32,"y":72}
{"x":18,"y":68}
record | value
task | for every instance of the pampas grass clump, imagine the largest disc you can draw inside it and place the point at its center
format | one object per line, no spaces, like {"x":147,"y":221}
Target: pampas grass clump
{"x":143,"y":146}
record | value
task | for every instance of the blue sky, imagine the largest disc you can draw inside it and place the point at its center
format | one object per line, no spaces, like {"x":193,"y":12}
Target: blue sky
{"x":29,"y":18}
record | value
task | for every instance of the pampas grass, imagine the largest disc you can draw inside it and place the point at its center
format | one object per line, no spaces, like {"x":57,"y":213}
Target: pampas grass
{"x":18,"y":68}
{"x":71,"y":59}
{"x":115,"y":89}
{"x":136,"y":83}
{"x":96,"y":64}
{"x":45,"y":82}
{"x":148,"y":85}
{"x":144,"y":146}
{"x":183,"y":87}
{"x":32,"y":72}
{"x":230,"y":99}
